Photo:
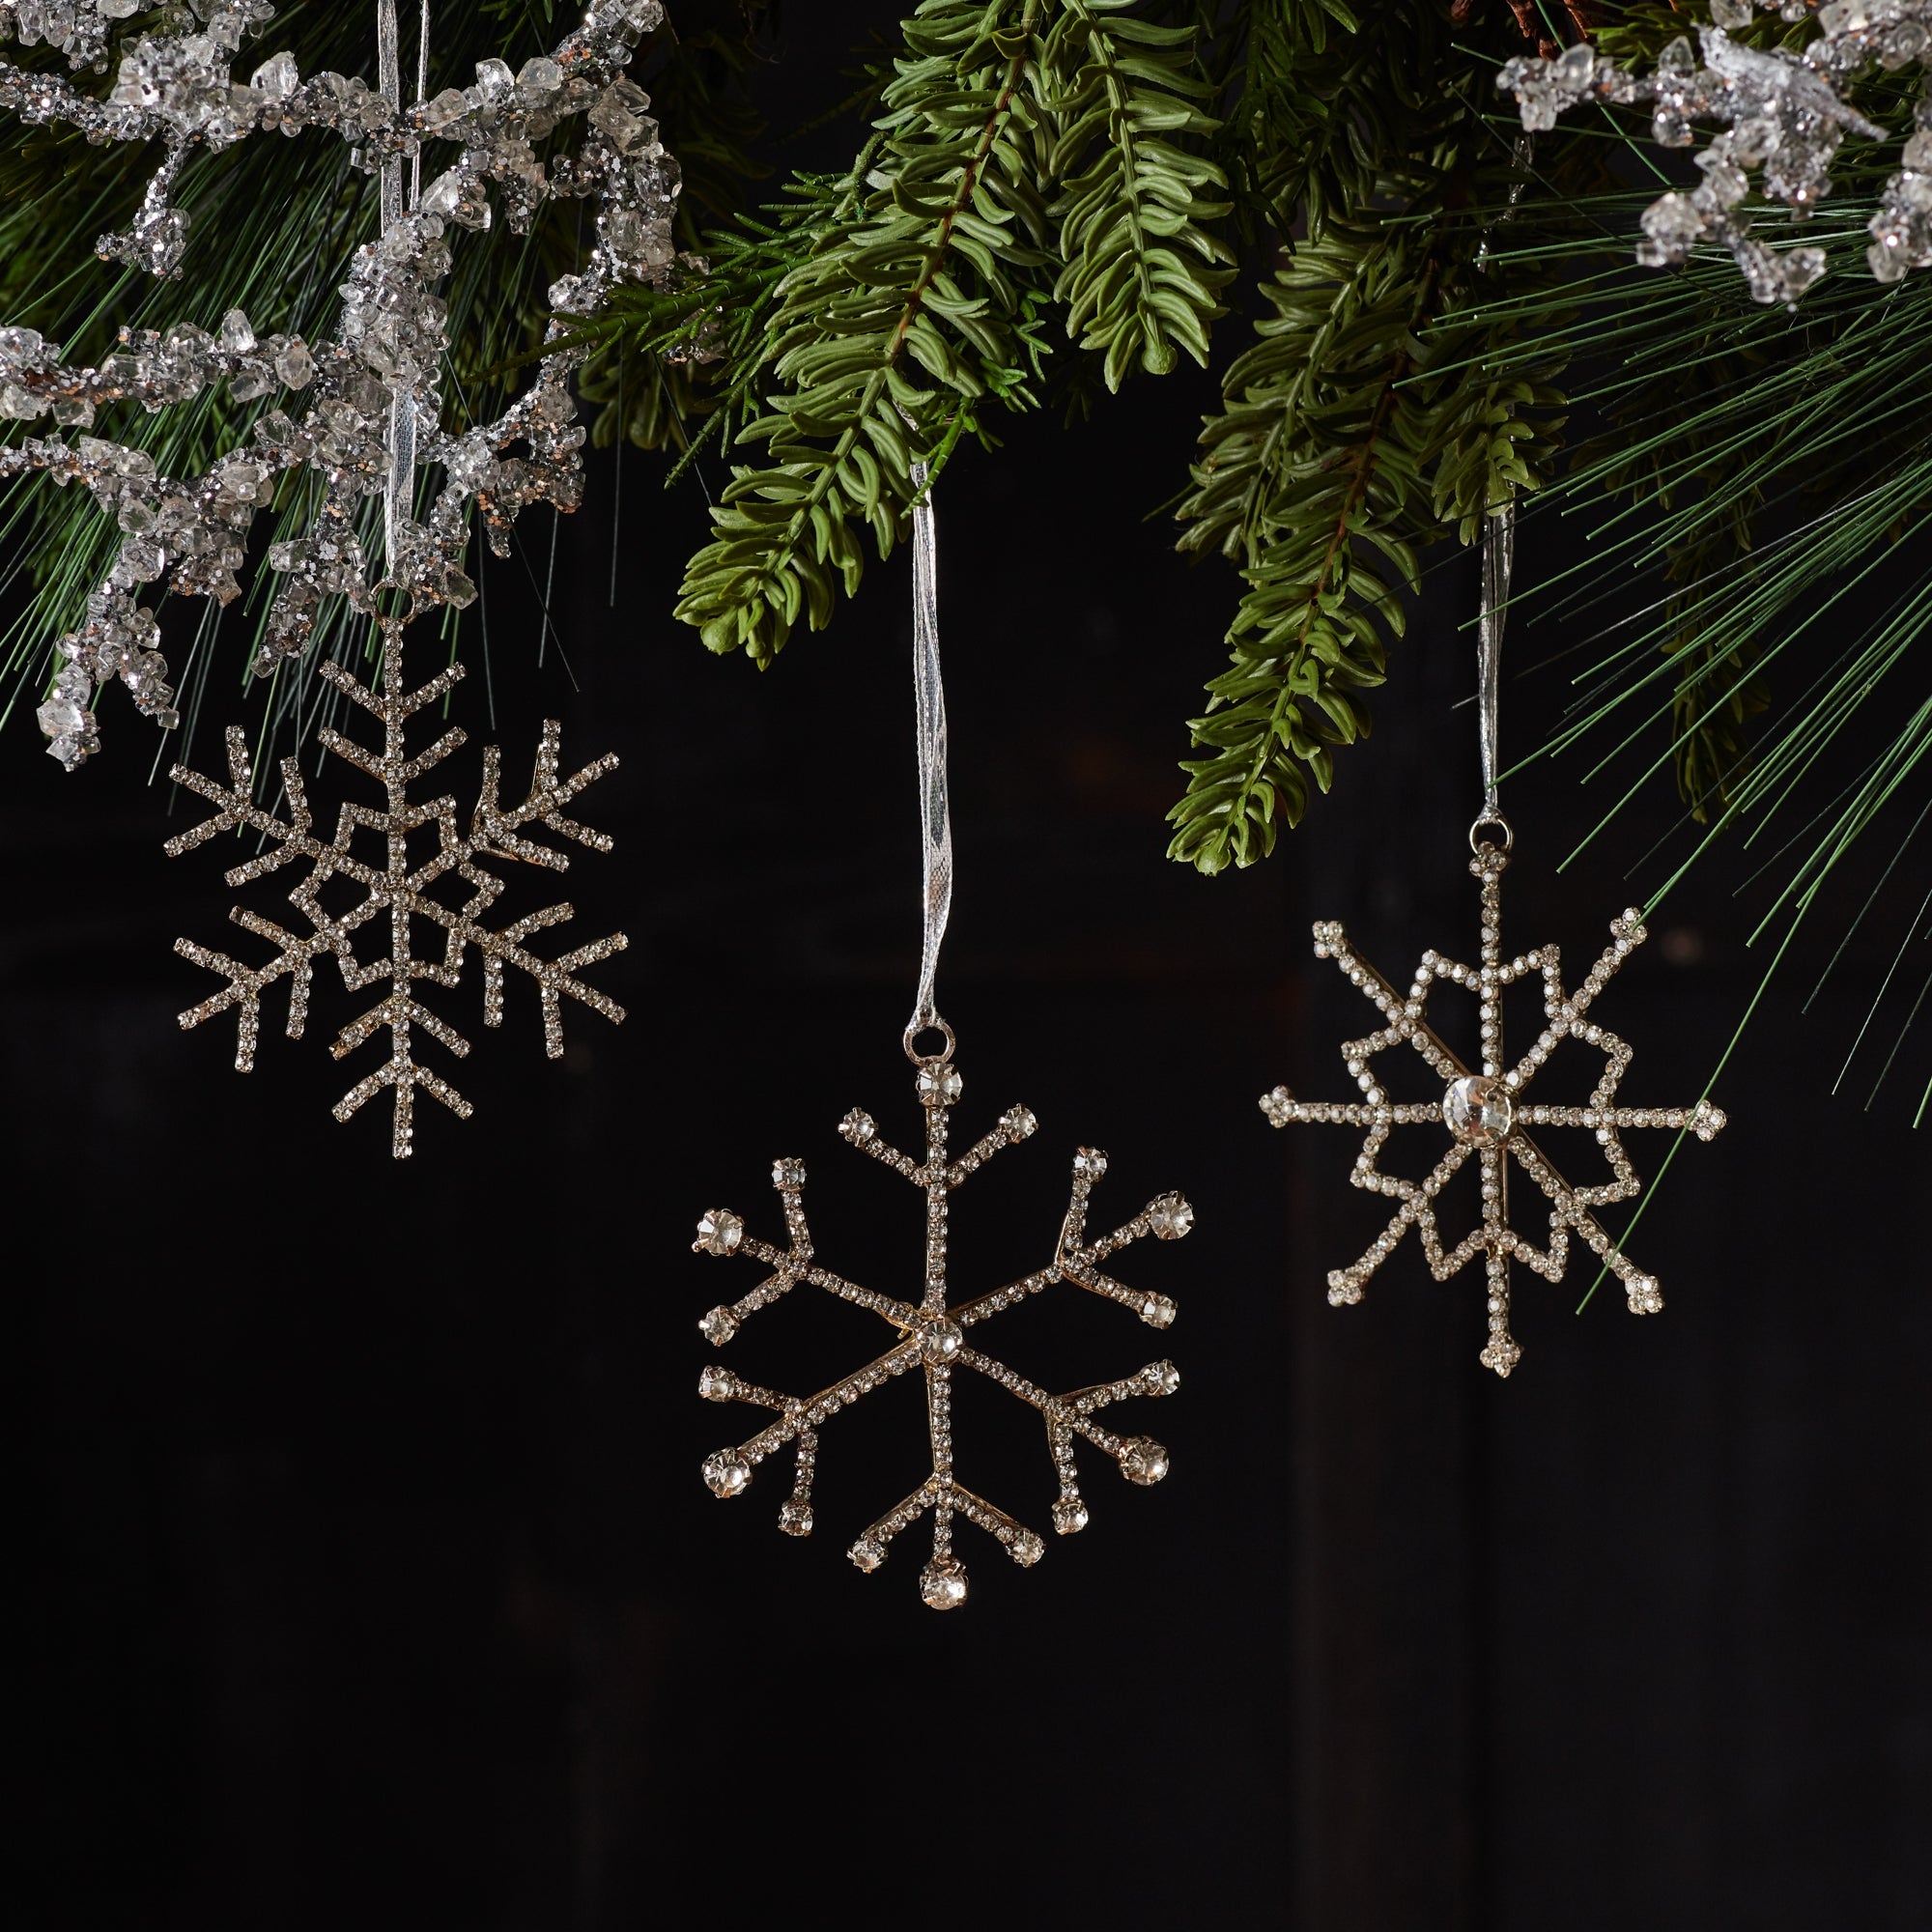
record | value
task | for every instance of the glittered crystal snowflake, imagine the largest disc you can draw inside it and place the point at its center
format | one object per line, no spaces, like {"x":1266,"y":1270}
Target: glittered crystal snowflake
{"x":932,"y":1337}
{"x":1485,"y":1113}
{"x":400,"y":889}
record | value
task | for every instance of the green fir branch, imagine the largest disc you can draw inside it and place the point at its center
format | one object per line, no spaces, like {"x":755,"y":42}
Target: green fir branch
{"x":1032,"y":157}
{"x":1368,"y":421}
{"x":911,"y":314}
{"x":1141,"y":270}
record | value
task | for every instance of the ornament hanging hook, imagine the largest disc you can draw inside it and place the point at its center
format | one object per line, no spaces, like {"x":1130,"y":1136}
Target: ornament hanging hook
{"x":1487,"y":817}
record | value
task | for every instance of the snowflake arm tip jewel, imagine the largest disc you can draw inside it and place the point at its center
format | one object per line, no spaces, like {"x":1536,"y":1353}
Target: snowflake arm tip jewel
{"x":1488,"y":1115}
{"x":932,"y":1338}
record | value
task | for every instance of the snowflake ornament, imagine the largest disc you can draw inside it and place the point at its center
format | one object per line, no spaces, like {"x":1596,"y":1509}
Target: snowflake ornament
{"x":933,"y":1337}
{"x":399,"y":889}
{"x":1487,"y":1116}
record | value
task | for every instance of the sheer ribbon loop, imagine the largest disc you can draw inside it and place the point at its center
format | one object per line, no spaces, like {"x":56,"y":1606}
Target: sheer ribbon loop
{"x":935,"y":819}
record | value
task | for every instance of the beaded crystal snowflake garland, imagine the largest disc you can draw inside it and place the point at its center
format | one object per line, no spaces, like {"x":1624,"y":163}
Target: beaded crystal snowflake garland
{"x":374,"y":387}
{"x":933,"y":1338}
{"x":1485,"y":1114}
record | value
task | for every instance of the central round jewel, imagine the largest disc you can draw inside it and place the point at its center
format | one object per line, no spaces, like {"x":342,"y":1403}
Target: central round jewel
{"x":1479,"y":1110}
{"x":940,"y":1339}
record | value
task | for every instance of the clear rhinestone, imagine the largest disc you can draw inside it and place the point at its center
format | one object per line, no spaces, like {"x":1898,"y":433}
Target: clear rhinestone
{"x":1161,"y":1378}
{"x":716,"y":1384}
{"x":719,"y":1327}
{"x":1069,"y":1515}
{"x":1088,"y":1164}
{"x":795,"y":1517}
{"x":727,"y":1473}
{"x":943,"y":1584}
{"x":1479,"y":1110}
{"x":940,"y":1339}
{"x":1170,"y":1217}
{"x":719,"y":1233}
{"x":1027,"y":1548}
{"x":867,"y":1554}
{"x":1142,"y":1459}
{"x":939,"y":1084}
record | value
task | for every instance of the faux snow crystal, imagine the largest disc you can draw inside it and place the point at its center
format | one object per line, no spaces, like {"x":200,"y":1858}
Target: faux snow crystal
{"x":373,"y":390}
{"x":935,"y":1337}
{"x":1783,"y":114}
{"x":397,"y":891}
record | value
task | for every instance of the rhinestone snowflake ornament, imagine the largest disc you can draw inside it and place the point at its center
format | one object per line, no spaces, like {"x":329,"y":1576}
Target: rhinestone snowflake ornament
{"x":1487,"y":1116}
{"x":934,"y":1337}
{"x":399,"y":889}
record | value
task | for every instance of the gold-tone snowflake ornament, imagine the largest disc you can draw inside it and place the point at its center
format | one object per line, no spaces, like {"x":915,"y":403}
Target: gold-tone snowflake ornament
{"x":399,"y":890}
{"x":1486,"y":1114}
{"x":933,"y":1337}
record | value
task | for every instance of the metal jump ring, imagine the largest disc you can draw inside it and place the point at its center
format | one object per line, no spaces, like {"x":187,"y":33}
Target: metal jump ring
{"x":1489,"y":815}
{"x":932,"y":1023}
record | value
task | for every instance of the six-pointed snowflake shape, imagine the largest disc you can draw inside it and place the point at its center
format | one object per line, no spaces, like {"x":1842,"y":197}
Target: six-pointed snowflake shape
{"x":933,"y":1337}
{"x":1485,"y":1113}
{"x":401,"y":890}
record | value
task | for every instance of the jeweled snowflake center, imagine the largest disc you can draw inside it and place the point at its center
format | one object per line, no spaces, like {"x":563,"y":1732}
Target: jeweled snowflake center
{"x":1479,"y":1110}
{"x":940,"y":1341}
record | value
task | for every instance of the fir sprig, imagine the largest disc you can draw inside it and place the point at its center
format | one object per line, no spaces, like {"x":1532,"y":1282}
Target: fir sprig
{"x":908,"y":312}
{"x":1311,"y":481}
{"x":1035,"y":162}
{"x":1137,"y":196}
{"x":1369,"y":420}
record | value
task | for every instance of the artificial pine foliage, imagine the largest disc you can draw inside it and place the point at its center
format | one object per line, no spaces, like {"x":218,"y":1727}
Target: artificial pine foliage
{"x":1413,"y":317}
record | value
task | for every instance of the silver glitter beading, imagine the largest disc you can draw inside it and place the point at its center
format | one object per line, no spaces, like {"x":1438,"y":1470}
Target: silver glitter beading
{"x":384,"y":358}
{"x":399,"y":890}
{"x":1487,"y":1116}
{"x":1784,"y":118}
{"x":934,"y":1336}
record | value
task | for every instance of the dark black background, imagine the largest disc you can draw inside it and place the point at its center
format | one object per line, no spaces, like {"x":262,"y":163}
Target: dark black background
{"x":363,"y":1564}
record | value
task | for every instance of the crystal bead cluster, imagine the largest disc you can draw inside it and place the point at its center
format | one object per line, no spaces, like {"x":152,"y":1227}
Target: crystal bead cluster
{"x":385,"y":356}
{"x":80,"y":29}
{"x":399,"y":890}
{"x":1486,"y":1115}
{"x":1785,"y":115}
{"x":933,"y":1337}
